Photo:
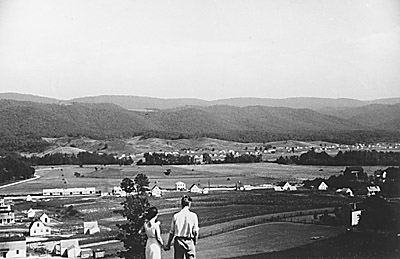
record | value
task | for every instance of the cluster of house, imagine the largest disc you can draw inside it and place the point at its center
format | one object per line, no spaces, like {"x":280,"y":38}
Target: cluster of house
{"x":18,"y":247}
{"x":41,"y":225}
{"x":180,"y":186}
{"x":7,"y":215}
{"x":41,"y":229}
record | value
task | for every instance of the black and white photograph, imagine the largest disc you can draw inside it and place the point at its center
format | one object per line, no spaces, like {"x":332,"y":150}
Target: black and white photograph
{"x":212,"y":129}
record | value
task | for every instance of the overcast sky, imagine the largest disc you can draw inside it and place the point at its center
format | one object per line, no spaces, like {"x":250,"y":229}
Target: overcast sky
{"x":203,"y":49}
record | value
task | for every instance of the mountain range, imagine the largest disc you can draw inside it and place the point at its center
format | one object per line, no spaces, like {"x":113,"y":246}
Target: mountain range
{"x":152,"y":103}
{"x":33,"y":117}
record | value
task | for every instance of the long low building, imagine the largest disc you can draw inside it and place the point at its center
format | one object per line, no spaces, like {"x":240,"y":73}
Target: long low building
{"x":69,"y":191}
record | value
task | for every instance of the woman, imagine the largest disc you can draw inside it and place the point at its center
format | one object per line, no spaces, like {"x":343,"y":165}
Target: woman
{"x":154,"y":243}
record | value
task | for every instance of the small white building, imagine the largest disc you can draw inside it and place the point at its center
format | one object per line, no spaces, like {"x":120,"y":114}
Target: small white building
{"x":345,"y":191}
{"x":44,"y":218}
{"x":288,"y":187}
{"x":373,"y":190}
{"x":180,"y":186}
{"x":90,"y":228}
{"x":322,"y":186}
{"x":117,"y":191}
{"x":29,"y":198}
{"x":70,"y":248}
{"x":31,"y":213}
{"x":195,"y":189}
{"x":38,"y":228}
{"x":7,"y":215}
{"x":156,"y":191}
{"x":355,"y":217}
{"x":278,"y":188}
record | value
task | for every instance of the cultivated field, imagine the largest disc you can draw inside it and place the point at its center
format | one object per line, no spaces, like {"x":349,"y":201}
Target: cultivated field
{"x":221,"y":214}
{"x":213,"y":175}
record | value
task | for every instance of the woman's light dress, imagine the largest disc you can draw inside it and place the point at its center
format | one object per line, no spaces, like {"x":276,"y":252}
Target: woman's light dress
{"x":153,"y":246}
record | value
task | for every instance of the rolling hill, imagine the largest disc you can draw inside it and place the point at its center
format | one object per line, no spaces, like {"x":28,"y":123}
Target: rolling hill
{"x":31,"y":120}
{"x":143,"y":103}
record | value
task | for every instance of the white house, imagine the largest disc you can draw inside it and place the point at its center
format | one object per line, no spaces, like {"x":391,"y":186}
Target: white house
{"x":345,"y":191}
{"x":180,"y":186}
{"x":156,"y":191}
{"x":323,"y":186}
{"x":278,"y":188}
{"x":117,"y":191}
{"x":31,"y":213}
{"x":44,"y":218}
{"x":289,"y":187}
{"x":38,"y":228}
{"x":7,"y":215}
{"x":91,"y":227}
{"x":195,"y":189}
{"x":29,"y":198}
{"x":355,"y":217}
{"x":373,"y":190}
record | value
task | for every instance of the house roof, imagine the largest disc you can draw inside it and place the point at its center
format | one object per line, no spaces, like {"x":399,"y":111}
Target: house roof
{"x":373,"y":188}
{"x":194,"y":185}
{"x":35,"y":221}
{"x":154,"y":187}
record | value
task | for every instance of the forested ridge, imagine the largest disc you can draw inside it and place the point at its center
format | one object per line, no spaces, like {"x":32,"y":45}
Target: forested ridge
{"x":347,"y":158}
{"x":25,"y":123}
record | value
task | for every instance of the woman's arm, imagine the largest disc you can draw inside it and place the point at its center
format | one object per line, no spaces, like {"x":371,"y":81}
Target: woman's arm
{"x":158,"y":234}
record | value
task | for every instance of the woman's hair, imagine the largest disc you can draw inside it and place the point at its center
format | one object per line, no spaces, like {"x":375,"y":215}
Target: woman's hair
{"x":151,"y":213}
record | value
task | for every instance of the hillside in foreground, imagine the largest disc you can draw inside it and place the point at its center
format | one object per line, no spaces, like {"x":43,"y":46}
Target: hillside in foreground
{"x":348,"y":245}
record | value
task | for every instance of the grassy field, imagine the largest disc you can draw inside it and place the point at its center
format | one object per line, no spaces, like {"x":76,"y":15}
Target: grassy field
{"x":215,"y":175}
{"x":261,"y":239}
{"x":253,"y":240}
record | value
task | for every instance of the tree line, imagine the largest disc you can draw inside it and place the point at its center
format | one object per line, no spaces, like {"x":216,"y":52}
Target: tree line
{"x":173,"y":159}
{"x":14,"y":168}
{"x":347,"y":158}
{"x":82,"y":158}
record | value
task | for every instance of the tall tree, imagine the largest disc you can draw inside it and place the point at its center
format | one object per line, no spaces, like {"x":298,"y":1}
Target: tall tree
{"x":127,"y":185}
{"x":142,"y":183}
{"x":134,"y":208}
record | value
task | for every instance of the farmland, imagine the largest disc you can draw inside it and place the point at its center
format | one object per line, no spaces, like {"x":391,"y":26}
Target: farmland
{"x":219,"y":212}
{"x":215,"y":175}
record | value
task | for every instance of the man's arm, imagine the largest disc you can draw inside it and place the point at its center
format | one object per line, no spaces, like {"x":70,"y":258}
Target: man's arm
{"x":168,"y":245}
{"x":196,"y":230}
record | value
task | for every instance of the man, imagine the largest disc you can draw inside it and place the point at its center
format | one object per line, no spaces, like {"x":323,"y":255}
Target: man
{"x":185,"y":229}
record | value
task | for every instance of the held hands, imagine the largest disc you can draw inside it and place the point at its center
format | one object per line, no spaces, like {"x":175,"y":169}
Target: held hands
{"x":167,"y":247}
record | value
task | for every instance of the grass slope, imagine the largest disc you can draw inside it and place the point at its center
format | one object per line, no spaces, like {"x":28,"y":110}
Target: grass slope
{"x":347,"y":245}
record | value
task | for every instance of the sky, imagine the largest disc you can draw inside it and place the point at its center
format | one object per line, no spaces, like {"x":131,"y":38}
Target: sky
{"x":201,"y":49}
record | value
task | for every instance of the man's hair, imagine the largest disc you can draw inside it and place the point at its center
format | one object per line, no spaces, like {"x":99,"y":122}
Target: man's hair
{"x":186,"y":200}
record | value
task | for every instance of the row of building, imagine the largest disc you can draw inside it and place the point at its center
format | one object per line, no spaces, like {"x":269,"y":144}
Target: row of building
{"x":69,"y":191}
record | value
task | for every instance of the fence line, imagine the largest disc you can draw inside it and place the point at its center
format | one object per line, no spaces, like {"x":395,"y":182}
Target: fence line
{"x":274,"y":217}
